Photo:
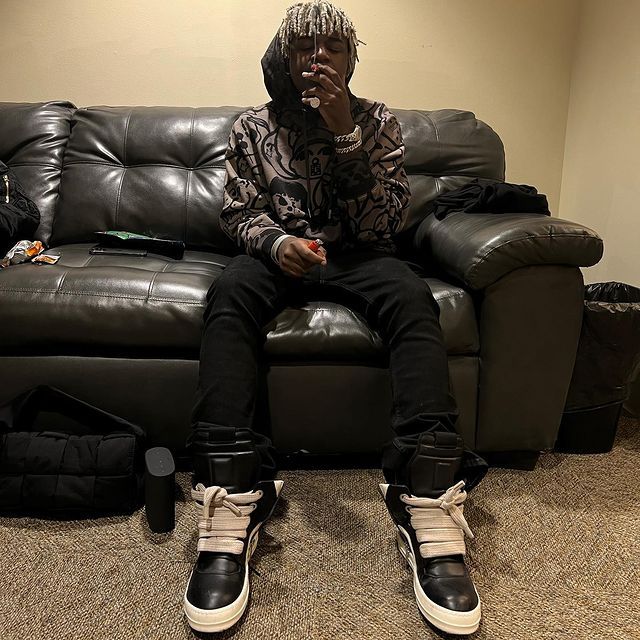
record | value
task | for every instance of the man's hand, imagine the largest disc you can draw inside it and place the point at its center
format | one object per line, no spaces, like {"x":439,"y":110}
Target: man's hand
{"x":295,"y":258}
{"x":331,"y":89}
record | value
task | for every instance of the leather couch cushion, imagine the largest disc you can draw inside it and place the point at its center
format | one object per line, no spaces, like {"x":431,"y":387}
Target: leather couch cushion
{"x":329,"y":332}
{"x":97,"y":301}
{"x":153,"y":170}
{"x":32,"y":141}
{"x":94,"y":303}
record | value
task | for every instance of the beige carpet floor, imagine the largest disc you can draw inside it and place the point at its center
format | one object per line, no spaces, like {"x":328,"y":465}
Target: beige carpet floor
{"x":556,"y":555}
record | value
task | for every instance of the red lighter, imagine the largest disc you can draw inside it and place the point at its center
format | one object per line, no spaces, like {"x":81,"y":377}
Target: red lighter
{"x":314,"y":245}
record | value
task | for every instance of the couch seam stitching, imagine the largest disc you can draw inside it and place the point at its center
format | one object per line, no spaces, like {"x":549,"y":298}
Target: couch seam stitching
{"x":153,"y":279}
{"x":188,"y":181}
{"x":148,"y":164}
{"x":149,"y":297}
{"x":99,"y":295}
{"x":126,"y":135}
{"x":115,"y":215}
{"x":435,"y":130}
{"x":59,"y":287}
{"x":36,"y":164}
{"x":124,"y":167}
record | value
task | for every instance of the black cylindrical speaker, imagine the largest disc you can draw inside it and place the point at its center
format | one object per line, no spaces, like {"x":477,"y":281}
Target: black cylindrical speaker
{"x":159,"y":490}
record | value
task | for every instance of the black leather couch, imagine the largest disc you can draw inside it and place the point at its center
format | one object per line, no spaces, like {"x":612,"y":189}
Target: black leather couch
{"x":123,"y":332}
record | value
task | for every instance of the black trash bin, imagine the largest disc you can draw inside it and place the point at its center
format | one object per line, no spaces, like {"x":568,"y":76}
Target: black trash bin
{"x":608,"y":353}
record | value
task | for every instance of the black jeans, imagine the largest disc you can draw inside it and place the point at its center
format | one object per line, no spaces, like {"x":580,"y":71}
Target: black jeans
{"x":384,"y":290}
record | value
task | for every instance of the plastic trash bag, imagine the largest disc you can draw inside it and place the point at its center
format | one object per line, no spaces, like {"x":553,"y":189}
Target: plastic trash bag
{"x":608,"y":353}
{"x":609,"y":348}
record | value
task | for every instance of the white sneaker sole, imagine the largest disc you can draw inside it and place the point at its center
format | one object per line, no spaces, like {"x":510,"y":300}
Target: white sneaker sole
{"x":214,"y":620}
{"x":456,"y":622}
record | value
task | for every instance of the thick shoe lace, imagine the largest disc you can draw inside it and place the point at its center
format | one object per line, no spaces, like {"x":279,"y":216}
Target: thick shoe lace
{"x":223,"y":518}
{"x":439,"y":523}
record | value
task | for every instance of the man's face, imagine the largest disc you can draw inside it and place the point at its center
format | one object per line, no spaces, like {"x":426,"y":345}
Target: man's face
{"x":332,"y":50}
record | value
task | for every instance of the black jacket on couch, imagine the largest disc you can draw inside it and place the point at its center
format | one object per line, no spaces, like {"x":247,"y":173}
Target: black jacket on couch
{"x":123,"y":332}
{"x":19,"y":215}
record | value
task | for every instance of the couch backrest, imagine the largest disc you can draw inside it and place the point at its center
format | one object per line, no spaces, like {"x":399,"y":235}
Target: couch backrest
{"x":160,"y":170}
{"x":445,"y":149}
{"x":33,"y":137}
{"x":154,"y":170}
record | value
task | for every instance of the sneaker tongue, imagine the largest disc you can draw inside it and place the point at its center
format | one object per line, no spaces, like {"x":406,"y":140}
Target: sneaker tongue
{"x":434,"y":465}
{"x":447,"y":567}
{"x":218,"y":562}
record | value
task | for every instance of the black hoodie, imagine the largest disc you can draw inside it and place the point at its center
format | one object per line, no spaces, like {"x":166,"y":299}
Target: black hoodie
{"x":281,"y":152}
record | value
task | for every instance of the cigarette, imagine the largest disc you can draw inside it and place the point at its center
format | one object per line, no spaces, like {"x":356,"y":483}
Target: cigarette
{"x":315,"y":50}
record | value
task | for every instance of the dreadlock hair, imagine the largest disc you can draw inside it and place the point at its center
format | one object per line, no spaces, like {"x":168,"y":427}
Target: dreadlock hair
{"x":304,"y":18}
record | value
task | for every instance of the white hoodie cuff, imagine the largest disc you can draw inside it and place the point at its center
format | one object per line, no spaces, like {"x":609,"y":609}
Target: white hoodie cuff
{"x":276,"y":244}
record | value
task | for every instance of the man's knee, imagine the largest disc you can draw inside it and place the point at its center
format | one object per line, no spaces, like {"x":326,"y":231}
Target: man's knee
{"x":242,"y":274}
{"x":413,"y":293}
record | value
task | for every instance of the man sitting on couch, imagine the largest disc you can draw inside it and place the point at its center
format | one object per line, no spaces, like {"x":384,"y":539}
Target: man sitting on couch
{"x":315,"y":194}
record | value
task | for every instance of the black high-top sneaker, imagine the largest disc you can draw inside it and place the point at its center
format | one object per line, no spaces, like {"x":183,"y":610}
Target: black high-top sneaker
{"x":218,"y":590}
{"x":430,"y":534}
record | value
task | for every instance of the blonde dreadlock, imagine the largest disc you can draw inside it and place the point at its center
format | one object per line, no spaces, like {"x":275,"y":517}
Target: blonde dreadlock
{"x":304,"y":18}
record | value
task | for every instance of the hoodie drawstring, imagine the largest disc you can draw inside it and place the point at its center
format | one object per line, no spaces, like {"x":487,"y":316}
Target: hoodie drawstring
{"x":306,"y":161}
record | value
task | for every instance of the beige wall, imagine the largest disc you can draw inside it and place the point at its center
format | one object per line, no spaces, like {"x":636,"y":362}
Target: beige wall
{"x":509,"y":62}
{"x":601,"y":176}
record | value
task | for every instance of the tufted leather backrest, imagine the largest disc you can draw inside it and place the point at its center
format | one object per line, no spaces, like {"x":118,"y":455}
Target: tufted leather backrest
{"x":160,"y":170}
{"x":32,"y":141}
{"x":444,"y":150}
{"x":153,"y":170}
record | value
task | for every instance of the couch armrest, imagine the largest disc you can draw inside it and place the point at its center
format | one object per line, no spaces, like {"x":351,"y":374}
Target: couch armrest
{"x":480,"y":248}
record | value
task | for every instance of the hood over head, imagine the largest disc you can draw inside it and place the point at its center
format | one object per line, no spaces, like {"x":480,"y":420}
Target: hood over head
{"x":307,"y":17}
{"x":277,"y":79}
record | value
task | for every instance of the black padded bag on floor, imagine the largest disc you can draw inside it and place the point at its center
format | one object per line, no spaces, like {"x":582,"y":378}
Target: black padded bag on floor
{"x":92,"y":465}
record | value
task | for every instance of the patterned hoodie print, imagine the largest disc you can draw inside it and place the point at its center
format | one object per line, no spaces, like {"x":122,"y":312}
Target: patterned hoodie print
{"x":284,"y":177}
